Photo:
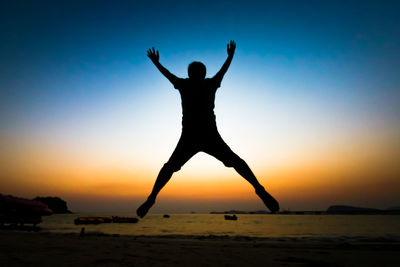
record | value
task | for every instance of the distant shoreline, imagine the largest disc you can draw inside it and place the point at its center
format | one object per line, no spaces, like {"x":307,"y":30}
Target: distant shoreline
{"x":335,"y":210}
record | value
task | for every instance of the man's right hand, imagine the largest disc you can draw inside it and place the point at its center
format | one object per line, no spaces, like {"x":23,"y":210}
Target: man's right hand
{"x":230,"y":48}
{"x":153,"y":55}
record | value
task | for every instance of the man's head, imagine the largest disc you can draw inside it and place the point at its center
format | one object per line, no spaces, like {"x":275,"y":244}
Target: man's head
{"x":196,"y":70}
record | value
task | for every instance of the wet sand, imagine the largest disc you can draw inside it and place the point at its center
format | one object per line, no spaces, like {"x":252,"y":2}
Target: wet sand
{"x":96,"y":249}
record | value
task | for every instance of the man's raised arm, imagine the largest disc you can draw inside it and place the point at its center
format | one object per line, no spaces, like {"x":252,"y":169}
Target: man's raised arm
{"x":155,"y":57}
{"x":230,"y":48}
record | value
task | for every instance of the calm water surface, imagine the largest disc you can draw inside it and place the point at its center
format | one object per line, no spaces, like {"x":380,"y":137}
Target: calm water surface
{"x":247,"y":225}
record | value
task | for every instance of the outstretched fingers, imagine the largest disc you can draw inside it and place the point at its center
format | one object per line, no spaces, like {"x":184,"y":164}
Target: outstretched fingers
{"x":231,"y":47}
{"x":151,"y":51}
{"x":153,"y":54}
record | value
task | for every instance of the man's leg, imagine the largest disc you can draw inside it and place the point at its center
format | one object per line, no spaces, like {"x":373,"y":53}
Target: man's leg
{"x":182,"y":153}
{"x":220,"y":150}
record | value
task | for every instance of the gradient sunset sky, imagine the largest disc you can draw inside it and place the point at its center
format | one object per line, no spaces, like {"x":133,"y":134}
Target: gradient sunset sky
{"x":311,"y":102}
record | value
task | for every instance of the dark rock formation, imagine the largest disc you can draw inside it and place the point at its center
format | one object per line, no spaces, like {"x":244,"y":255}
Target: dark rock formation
{"x":260,"y":212}
{"x":341,"y":209}
{"x":56,"y":204}
{"x":229,"y":212}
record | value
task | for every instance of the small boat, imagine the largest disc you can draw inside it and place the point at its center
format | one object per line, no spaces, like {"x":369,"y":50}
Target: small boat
{"x":92,"y":220}
{"x":231,"y":217}
{"x":117,"y":219}
{"x":166,"y":216}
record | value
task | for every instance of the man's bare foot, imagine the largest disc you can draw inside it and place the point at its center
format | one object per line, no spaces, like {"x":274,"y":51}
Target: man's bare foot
{"x":268,"y":200}
{"x":144,"y":208}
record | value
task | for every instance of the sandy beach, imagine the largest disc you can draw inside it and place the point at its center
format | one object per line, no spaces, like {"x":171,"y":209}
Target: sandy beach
{"x":96,"y":249}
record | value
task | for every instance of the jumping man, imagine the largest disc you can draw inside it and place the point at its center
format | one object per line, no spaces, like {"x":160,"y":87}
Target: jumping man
{"x":199,"y":129}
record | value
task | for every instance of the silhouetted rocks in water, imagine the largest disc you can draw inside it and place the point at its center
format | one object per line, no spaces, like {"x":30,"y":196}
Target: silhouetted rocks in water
{"x":56,"y":204}
{"x":231,"y":217}
{"x":229,"y":212}
{"x":392,"y":211}
{"x":341,"y":209}
{"x":16,"y":211}
{"x":336,"y":209}
{"x":166,"y":216}
{"x":240,"y":212}
{"x":306,"y":212}
{"x":260,"y":212}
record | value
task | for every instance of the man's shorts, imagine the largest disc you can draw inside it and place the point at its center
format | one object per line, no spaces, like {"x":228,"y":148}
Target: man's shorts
{"x":208,"y":141}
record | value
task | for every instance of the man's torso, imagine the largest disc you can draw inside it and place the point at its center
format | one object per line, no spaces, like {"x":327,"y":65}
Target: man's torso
{"x":198,"y":99}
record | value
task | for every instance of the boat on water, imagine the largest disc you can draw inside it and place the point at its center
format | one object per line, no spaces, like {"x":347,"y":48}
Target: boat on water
{"x":231,"y":217}
{"x":117,"y":219}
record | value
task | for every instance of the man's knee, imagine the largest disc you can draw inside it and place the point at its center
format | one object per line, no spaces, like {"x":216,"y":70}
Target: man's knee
{"x":233,"y":161}
{"x":172,"y":166}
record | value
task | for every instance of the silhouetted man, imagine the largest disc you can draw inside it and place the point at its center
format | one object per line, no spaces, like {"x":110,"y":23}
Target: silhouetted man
{"x":199,"y":129}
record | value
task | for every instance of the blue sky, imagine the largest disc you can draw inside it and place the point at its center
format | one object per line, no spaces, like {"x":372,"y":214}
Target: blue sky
{"x":70,"y":53}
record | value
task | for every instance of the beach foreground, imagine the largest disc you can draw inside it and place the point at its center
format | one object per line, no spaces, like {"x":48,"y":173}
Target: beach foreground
{"x":51,"y":249}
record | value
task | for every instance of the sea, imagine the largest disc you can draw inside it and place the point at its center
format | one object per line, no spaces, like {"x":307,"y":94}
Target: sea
{"x":247,"y":225}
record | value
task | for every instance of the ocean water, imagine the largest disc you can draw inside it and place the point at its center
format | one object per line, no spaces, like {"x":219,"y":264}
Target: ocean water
{"x":252,"y":225}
